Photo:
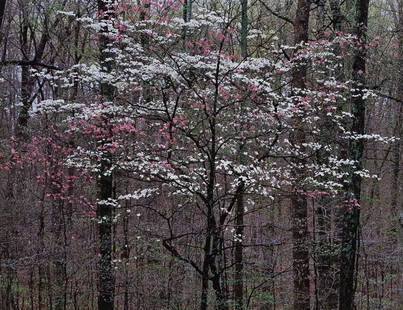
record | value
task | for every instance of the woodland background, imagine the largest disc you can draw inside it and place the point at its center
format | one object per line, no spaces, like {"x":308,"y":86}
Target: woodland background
{"x":136,"y":173}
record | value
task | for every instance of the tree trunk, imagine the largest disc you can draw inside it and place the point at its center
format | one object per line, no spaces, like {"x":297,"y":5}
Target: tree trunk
{"x":299,"y":204}
{"x":2,"y":11}
{"x":351,"y":217}
{"x":240,"y":206}
{"x":211,"y":226}
{"x":337,"y":16}
{"x":396,"y":203}
{"x":186,"y":15}
{"x":207,"y":255}
{"x":27,"y":38}
{"x":27,"y":84}
{"x":106,"y":278}
{"x":238,"y":251}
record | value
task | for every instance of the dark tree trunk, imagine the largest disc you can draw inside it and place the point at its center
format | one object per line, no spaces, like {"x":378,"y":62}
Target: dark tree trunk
{"x":27,"y":81}
{"x":104,"y":214}
{"x":396,"y":193}
{"x":61,"y":257}
{"x":240,"y":206}
{"x":351,"y":217}
{"x":299,"y":204}
{"x":2,"y":13}
{"x":337,"y":15}
{"x":106,"y":278}
{"x":207,"y":246}
{"x":186,"y":15}
{"x":27,"y":84}
{"x":205,"y":273}
{"x":208,"y":260}
{"x":125,"y":255}
{"x":238,"y":251}
{"x":2,"y":10}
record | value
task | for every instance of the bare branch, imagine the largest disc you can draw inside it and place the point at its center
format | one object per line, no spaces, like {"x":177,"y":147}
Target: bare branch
{"x":276,"y":14}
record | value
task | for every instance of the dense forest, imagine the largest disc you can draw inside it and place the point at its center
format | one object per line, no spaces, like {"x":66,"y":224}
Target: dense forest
{"x":201,"y":154}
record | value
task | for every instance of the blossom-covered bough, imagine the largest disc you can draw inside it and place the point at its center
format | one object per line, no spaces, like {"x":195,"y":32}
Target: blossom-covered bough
{"x":175,"y":117}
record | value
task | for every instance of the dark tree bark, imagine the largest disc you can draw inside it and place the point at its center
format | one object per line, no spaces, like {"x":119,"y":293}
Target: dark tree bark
{"x":205,"y":276}
{"x":240,"y":206}
{"x":27,"y":39}
{"x":27,"y":83}
{"x":2,"y":11}
{"x":186,"y":15}
{"x":125,"y":255}
{"x":104,"y":214}
{"x":337,"y":15}
{"x":351,"y":218}
{"x":397,"y":206}
{"x":299,"y":204}
{"x":208,"y":258}
{"x":106,"y":278}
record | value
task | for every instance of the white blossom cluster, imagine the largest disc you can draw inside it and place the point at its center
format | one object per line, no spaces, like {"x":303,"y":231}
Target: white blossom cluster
{"x":203,"y":121}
